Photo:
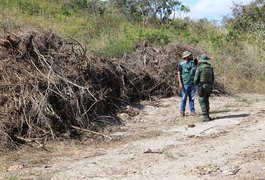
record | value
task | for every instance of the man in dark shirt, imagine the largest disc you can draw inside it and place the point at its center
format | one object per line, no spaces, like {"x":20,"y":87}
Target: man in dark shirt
{"x":186,"y":73}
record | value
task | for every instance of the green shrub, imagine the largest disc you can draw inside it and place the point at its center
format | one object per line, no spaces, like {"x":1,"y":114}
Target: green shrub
{"x":29,"y":7}
{"x":189,"y":38}
{"x":118,"y":48}
{"x":155,"y":36}
{"x":130,"y":36}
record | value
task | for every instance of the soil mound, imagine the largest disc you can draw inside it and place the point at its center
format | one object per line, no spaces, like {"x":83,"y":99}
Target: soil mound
{"x":50,"y":88}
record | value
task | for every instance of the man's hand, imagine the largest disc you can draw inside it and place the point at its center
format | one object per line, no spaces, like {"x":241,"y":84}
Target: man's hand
{"x":180,"y":87}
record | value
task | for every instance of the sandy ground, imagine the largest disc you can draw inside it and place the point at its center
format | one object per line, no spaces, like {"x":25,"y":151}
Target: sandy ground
{"x":159,"y":144}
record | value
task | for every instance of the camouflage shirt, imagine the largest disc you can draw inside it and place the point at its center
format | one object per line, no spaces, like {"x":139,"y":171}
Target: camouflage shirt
{"x":204,"y":74}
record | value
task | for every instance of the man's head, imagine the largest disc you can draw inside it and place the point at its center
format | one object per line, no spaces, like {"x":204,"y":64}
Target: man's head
{"x":186,"y":55}
{"x":204,"y":58}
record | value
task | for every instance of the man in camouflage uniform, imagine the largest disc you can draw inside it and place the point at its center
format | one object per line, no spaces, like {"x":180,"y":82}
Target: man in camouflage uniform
{"x":204,"y":78}
{"x":186,"y":72}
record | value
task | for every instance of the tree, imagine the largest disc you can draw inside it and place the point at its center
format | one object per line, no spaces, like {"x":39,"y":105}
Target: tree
{"x":97,"y":7}
{"x":166,"y":8}
{"x":144,"y":10}
{"x":248,"y":20}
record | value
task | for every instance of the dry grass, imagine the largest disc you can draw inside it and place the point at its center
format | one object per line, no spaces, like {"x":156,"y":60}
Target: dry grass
{"x":242,"y":69}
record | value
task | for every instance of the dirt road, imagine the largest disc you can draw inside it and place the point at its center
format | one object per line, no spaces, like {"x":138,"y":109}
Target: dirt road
{"x":159,"y":144}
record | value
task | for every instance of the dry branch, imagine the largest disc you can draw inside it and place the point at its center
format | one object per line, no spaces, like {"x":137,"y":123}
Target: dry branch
{"x":92,"y":132}
{"x":49,"y":87}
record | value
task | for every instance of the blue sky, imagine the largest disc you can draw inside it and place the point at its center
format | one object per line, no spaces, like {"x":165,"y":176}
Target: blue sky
{"x":210,"y":9}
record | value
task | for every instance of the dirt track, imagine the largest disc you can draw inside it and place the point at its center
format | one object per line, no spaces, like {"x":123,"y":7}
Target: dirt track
{"x":158,"y":144}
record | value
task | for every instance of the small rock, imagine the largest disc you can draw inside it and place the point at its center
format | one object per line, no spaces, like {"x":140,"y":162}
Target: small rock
{"x":231,"y":171}
{"x":148,"y":151}
{"x":191,"y":136}
{"x":135,"y":171}
{"x":228,"y":173}
{"x":191,"y":125}
{"x":47,"y":166}
{"x":151,"y":151}
{"x":124,"y":116}
{"x":132,"y":112}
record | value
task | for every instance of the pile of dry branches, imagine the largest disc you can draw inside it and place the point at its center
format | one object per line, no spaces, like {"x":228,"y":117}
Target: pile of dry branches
{"x":42,"y":93}
{"x":160,"y":63}
{"x":49,"y":87}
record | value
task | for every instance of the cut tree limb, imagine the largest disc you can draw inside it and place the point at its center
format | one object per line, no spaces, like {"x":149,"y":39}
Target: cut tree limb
{"x":90,"y":131}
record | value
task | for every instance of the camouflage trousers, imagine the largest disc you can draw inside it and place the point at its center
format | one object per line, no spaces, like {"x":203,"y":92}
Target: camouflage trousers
{"x":204,"y":100}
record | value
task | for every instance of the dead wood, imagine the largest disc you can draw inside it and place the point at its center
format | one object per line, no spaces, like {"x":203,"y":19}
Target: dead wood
{"x":92,"y":132}
{"x":49,"y":87}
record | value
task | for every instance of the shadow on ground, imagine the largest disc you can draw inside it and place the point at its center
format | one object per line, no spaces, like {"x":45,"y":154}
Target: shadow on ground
{"x":220,"y":111}
{"x":232,"y":116}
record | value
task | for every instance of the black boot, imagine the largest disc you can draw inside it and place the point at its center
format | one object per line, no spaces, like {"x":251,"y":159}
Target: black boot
{"x":205,"y":118}
{"x":207,"y":113}
{"x":210,"y":119}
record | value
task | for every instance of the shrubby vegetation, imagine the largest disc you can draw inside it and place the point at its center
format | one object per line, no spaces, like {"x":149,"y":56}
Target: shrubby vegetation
{"x":244,"y":48}
{"x":115,"y":27}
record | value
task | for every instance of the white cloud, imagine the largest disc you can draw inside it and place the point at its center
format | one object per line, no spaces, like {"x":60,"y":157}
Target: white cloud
{"x":212,"y":9}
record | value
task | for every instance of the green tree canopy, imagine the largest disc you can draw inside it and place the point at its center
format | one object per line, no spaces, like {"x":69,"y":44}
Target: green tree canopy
{"x":144,"y":10}
{"x":248,"y":20}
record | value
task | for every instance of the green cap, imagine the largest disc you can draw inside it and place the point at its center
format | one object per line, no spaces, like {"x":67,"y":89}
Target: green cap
{"x":204,"y":58}
{"x":186,"y":54}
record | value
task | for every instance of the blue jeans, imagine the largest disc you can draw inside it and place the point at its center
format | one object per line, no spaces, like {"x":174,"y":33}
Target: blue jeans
{"x":188,"y":90}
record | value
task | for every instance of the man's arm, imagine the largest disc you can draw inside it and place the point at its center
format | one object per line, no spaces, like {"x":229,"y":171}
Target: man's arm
{"x":213,"y":76}
{"x":179,"y":80}
{"x":197,"y":76}
{"x":179,"y":77}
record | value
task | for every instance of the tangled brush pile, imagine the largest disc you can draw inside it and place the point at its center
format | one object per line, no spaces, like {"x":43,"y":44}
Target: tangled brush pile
{"x":50,"y":87}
